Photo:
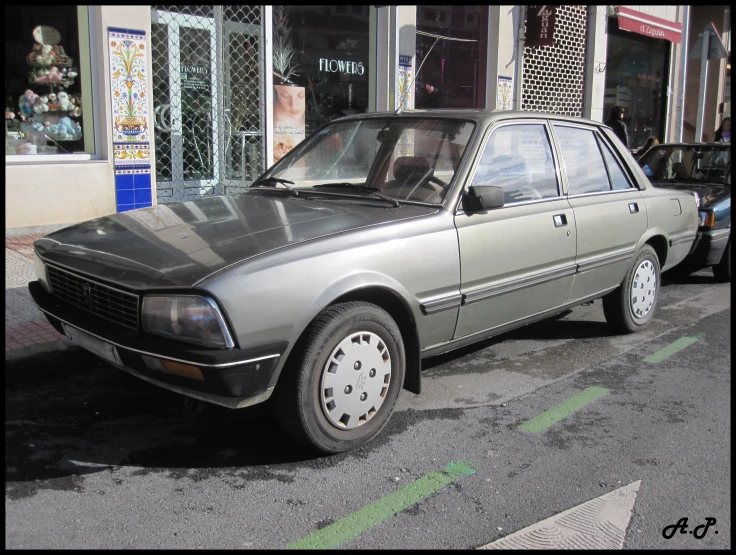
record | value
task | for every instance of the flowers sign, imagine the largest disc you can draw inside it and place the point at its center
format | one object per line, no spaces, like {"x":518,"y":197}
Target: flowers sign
{"x":129,"y":85}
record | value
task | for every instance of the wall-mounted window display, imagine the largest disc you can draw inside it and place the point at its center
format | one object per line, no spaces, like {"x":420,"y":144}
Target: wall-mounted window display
{"x":43,"y":85}
{"x":454,"y":73}
{"x":636,"y":80}
{"x":320,"y":66}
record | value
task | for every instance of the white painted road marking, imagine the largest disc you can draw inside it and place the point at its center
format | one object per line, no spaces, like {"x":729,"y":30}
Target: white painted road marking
{"x":596,"y":524}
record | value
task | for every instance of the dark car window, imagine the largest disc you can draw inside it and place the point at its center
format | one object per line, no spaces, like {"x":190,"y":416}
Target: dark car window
{"x":692,"y":163}
{"x":519,"y":159}
{"x":586,"y":172}
{"x":619,"y":181}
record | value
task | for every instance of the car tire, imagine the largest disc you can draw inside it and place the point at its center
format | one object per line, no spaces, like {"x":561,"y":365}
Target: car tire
{"x":722,"y":270}
{"x":630,"y":307}
{"x":344,"y":379}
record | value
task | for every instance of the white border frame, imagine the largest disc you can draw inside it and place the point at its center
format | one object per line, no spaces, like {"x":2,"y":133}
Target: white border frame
{"x":268,"y":84}
{"x":98,"y":91}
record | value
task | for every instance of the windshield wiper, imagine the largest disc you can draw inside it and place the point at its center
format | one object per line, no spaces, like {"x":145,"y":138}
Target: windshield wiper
{"x":266,"y":182}
{"x":375,"y":192}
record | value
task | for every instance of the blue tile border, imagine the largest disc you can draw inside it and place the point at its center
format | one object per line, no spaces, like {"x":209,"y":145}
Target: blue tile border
{"x":128,"y":170}
{"x":126,"y":31}
{"x":142,"y":197}
{"x":125,"y":197}
{"x":125,"y":207}
{"x":142,"y":181}
{"x":123,"y":182}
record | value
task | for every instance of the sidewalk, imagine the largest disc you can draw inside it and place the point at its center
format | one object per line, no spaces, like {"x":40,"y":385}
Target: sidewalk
{"x":27,"y":332}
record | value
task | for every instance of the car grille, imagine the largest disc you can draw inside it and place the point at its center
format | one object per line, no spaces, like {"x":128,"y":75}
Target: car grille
{"x":109,"y":303}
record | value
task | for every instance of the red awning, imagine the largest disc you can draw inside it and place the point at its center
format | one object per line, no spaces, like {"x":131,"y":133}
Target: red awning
{"x":648,"y":25}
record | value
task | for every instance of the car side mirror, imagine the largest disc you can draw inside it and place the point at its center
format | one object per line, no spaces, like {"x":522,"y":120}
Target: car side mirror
{"x":483,"y":197}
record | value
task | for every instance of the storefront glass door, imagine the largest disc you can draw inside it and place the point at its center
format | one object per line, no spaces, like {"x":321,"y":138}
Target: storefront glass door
{"x":207,"y":69}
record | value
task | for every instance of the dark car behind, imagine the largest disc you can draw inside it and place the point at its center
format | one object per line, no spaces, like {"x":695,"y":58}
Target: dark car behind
{"x":706,"y":170}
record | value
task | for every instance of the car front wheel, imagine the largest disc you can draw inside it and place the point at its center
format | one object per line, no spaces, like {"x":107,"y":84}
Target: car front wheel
{"x":630,"y":307}
{"x":343,"y":381}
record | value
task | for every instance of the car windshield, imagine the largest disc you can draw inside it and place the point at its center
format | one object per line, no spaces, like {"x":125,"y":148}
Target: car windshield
{"x":691,"y":163}
{"x":406,"y":158}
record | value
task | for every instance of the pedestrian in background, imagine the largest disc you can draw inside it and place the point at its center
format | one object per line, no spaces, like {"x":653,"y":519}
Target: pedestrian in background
{"x":723,"y":133}
{"x":649,"y":143}
{"x":615,"y":122}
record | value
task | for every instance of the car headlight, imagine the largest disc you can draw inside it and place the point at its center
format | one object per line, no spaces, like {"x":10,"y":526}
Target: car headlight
{"x":697,"y":199}
{"x":40,"y":267}
{"x":189,"y":318}
{"x":706,"y":219}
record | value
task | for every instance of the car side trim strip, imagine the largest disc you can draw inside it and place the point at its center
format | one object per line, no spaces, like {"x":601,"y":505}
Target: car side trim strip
{"x":683,"y":238}
{"x":202,"y":364}
{"x":605,"y":260}
{"x":438,"y":304}
{"x":509,"y":286}
{"x":465,"y":340}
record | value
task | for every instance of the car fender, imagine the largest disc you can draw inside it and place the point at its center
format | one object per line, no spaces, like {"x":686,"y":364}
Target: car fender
{"x":352,"y":285}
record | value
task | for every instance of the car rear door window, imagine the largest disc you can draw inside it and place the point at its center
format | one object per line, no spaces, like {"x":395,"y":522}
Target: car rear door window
{"x":518,"y":158}
{"x":619,"y":181}
{"x":586,"y":172}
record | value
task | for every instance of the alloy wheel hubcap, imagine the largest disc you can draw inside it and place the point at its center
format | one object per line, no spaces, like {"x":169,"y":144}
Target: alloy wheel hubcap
{"x":355,"y":380}
{"x":643,"y":289}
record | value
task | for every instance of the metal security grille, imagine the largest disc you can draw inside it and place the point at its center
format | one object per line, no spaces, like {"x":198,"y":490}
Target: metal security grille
{"x":553,"y":76}
{"x":208,"y":84}
{"x":110,"y":303}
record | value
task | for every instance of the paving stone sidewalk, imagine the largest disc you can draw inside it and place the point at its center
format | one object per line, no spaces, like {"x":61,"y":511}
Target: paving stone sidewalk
{"x":26,"y":330}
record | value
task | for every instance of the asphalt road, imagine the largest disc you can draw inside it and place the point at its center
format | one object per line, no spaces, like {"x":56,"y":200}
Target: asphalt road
{"x":95,"y":458}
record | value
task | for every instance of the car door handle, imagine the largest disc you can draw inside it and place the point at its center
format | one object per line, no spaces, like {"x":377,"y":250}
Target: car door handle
{"x":560,"y":220}
{"x":633,"y":207}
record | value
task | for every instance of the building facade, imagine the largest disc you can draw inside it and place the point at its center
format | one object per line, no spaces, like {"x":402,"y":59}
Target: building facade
{"x":112,"y":108}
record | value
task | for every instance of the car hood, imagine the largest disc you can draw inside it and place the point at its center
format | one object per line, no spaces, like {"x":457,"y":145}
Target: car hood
{"x":178,"y":244}
{"x":709,"y":193}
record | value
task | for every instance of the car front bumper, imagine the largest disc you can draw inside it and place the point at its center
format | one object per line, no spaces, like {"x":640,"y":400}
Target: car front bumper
{"x":708,"y":247}
{"x":233,"y":378}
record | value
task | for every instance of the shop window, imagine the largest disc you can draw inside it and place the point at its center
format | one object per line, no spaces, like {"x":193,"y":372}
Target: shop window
{"x":454,"y":73}
{"x":321,"y":70}
{"x":48,"y":104}
{"x":636,"y":80}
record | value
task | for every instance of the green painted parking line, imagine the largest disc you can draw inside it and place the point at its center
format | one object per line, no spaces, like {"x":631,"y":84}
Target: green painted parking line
{"x":672,"y":348}
{"x":540,"y":423}
{"x":366,"y":518}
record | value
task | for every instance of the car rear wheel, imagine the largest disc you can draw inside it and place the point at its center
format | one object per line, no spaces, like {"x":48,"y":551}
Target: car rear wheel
{"x":630,"y":307}
{"x":344,"y":379}
{"x":722,"y":270}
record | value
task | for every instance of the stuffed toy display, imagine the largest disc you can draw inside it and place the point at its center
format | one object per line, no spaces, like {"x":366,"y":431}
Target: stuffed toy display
{"x":47,"y":116}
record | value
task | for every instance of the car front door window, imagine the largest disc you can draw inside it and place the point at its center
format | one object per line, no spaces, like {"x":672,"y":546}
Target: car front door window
{"x":518,"y":158}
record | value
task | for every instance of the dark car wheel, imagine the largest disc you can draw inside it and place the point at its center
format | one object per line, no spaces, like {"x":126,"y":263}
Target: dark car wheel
{"x":630,"y":307}
{"x":722,"y":270}
{"x":342,"y":384}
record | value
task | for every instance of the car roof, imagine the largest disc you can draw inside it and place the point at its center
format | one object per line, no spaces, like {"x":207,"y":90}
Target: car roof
{"x":481,"y":116}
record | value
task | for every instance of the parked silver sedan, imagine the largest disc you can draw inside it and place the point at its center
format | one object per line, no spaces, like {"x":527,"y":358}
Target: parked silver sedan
{"x":379,"y":241}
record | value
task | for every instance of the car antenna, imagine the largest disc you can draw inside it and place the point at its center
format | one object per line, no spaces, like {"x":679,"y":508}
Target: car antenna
{"x":403,"y":97}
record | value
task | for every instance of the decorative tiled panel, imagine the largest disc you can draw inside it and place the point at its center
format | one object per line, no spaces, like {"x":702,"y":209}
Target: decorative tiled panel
{"x":129,"y":85}
{"x":131,"y":146}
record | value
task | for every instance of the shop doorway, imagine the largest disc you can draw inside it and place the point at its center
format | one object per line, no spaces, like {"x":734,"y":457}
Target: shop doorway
{"x":208,"y":69}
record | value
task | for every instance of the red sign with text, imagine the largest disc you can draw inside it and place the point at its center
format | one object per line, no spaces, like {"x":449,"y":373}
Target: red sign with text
{"x":648,"y":25}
